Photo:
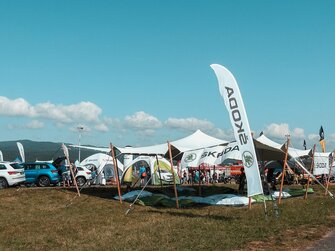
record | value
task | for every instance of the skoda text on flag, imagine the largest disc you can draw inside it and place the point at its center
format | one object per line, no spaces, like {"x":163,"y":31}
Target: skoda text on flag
{"x":232,"y":98}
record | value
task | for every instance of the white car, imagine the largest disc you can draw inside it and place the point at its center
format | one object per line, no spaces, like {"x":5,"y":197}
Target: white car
{"x":83,"y":176}
{"x":11,"y":174}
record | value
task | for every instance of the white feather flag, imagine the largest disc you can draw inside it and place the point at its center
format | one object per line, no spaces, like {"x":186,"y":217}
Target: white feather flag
{"x":21,"y":150}
{"x":232,"y":98}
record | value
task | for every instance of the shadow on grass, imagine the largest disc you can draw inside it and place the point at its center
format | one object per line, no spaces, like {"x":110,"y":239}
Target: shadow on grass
{"x":184,"y":214}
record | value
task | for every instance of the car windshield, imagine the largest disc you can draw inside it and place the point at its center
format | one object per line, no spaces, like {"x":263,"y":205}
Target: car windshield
{"x":16,"y":166}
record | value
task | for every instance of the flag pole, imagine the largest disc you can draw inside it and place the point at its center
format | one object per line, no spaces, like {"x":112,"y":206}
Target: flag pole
{"x":284,"y":169}
{"x":116,"y":172}
{"x":173,"y":176}
{"x":330,"y":172}
{"x":311,"y":171}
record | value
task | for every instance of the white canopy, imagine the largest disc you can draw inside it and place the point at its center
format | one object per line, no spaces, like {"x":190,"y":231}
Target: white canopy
{"x":293,"y":152}
{"x":197,"y":140}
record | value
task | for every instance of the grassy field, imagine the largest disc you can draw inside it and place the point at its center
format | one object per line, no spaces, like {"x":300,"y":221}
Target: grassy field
{"x":54,"y":218}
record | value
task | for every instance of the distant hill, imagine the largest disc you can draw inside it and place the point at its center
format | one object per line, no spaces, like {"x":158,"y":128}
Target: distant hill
{"x":35,"y":150}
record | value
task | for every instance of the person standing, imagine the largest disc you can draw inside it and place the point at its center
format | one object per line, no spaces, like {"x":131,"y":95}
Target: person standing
{"x":242,"y":180}
{"x":142,"y":174}
{"x":184,"y":177}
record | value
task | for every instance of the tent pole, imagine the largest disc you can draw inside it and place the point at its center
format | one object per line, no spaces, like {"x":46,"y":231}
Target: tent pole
{"x":116,"y":172}
{"x":330,"y":172}
{"x":173,"y":176}
{"x":249,"y":203}
{"x":311,"y":171}
{"x":73,"y":177}
{"x":284,"y":169}
{"x":159,"y":171}
{"x":66,"y":153}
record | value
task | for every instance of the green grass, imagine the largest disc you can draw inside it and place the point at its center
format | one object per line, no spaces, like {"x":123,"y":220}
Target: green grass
{"x":39,"y":219}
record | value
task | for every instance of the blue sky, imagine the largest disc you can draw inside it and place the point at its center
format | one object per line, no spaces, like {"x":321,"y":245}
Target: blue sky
{"x":137,"y":72}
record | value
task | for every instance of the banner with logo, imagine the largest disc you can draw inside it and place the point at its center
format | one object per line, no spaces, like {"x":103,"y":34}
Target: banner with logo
{"x":21,"y":150}
{"x":321,"y":163}
{"x":211,"y":155}
{"x":191,"y":159}
{"x":232,"y":98}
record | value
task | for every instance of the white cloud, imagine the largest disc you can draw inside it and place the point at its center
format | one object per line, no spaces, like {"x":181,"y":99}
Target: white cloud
{"x":298,"y":133}
{"x":142,"y":121}
{"x":101,"y":127}
{"x":34,"y":124}
{"x":277,"y":130}
{"x":189,"y":124}
{"x":16,"y":107}
{"x":83,"y":111}
{"x":313,"y":137}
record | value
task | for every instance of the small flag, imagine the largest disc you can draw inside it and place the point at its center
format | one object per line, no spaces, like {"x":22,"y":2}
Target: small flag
{"x":322,"y":140}
{"x":21,"y":150}
{"x":305,"y":144}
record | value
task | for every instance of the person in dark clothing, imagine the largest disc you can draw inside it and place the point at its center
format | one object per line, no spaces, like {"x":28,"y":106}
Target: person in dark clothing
{"x":242,"y":181}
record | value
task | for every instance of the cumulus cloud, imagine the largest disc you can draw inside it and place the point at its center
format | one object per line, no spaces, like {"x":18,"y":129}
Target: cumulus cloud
{"x":313,"y":137}
{"x":277,"y":130}
{"x":16,"y":107}
{"x":189,"y":124}
{"x":142,"y":121}
{"x":101,"y":127}
{"x":83,"y":111}
{"x":34,"y":124}
{"x":298,"y":133}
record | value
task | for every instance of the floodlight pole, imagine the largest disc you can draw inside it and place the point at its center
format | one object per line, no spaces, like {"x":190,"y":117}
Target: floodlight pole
{"x":173,"y":176}
{"x":311,"y":171}
{"x":80,"y":129}
{"x":284,"y":169}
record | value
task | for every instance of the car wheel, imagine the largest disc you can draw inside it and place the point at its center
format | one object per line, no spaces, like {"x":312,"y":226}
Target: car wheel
{"x":80,"y":181}
{"x":3,"y":183}
{"x":43,"y":181}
